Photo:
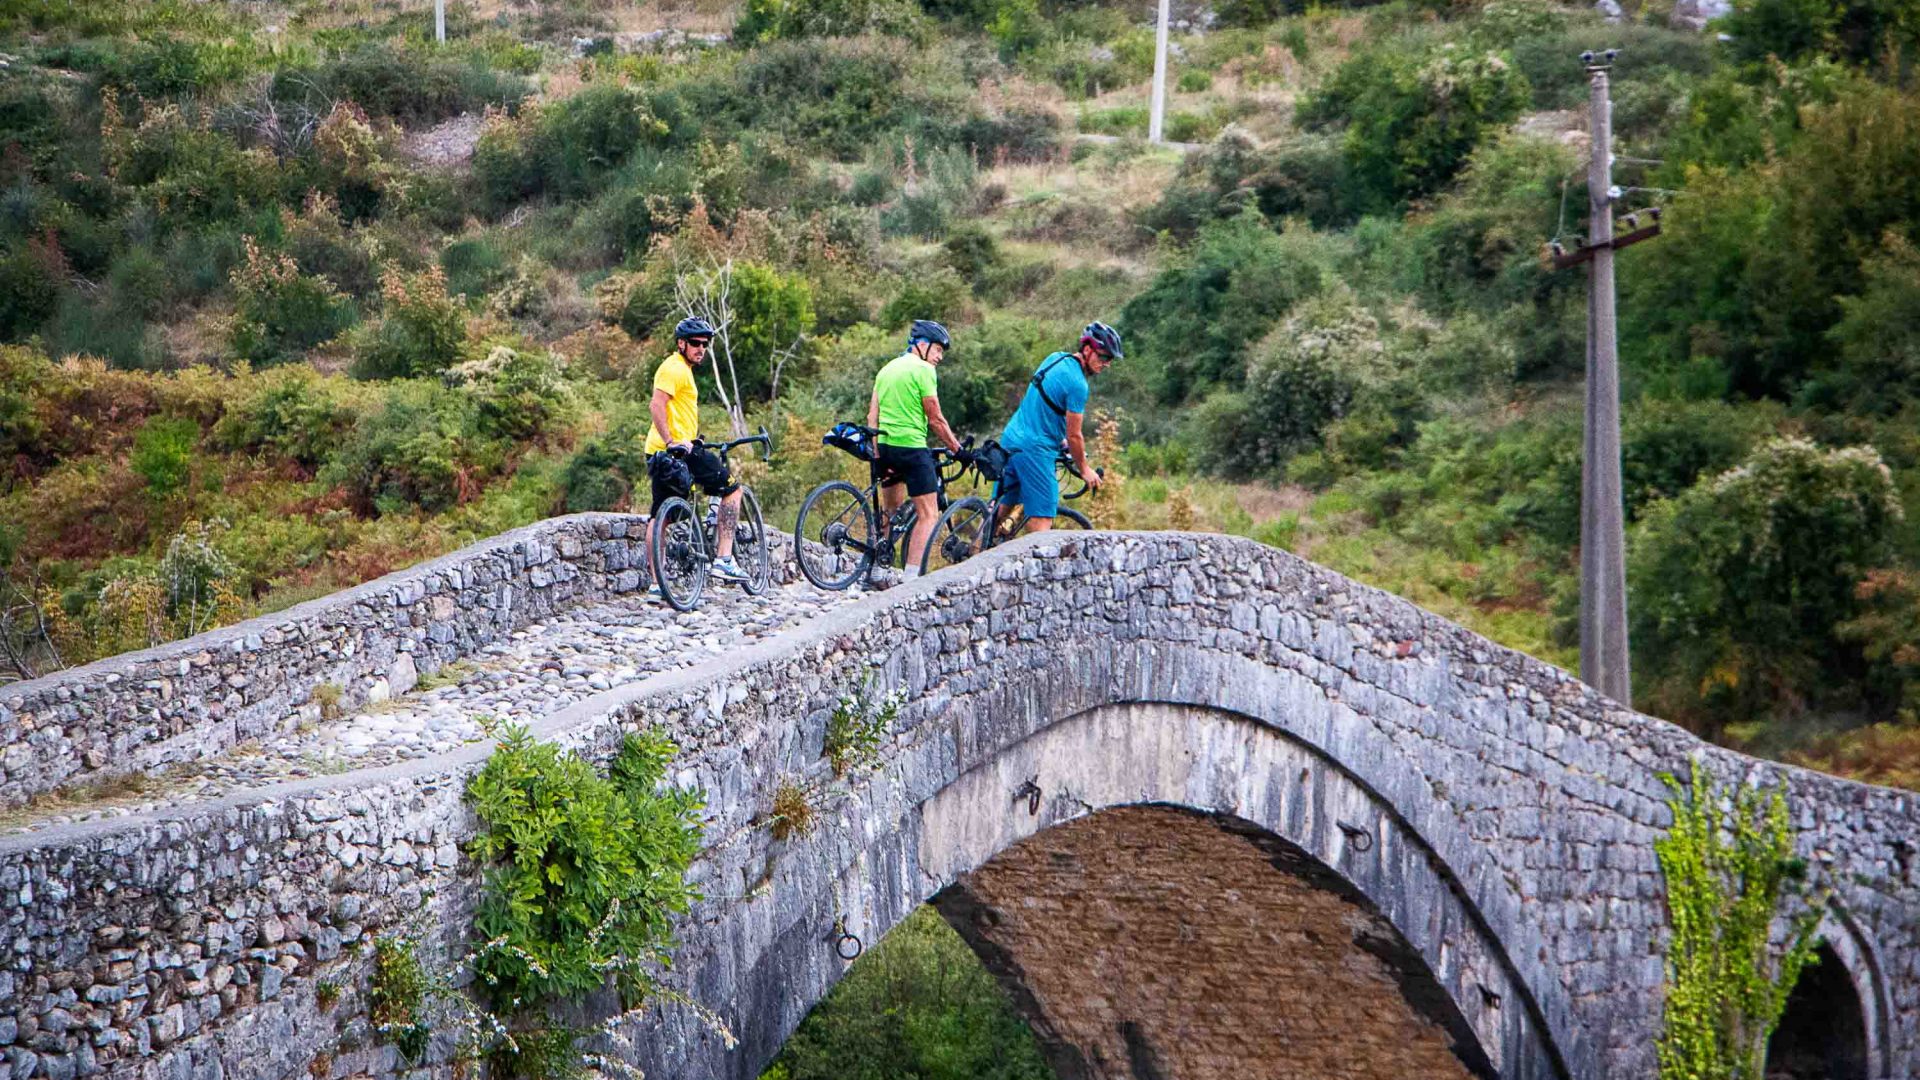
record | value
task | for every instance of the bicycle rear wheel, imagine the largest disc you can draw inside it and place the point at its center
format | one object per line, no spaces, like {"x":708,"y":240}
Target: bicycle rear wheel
{"x":1014,"y":524}
{"x":957,"y":536}
{"x":750,"y":550}
{"x":833,"y":538}
{"x":679,"y":554}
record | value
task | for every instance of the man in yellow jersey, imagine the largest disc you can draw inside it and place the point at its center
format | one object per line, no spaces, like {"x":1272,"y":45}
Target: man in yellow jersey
{"x":674,"y":464}
{"x":905,"y":405}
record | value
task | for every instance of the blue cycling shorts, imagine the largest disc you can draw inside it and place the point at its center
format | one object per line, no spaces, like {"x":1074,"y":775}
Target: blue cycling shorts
{"x":1030,"y":481}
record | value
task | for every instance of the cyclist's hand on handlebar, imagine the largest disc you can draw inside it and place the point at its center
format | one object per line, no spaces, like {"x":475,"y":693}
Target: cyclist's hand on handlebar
{"x":1095,"y":478}
{"x":682,"y":448}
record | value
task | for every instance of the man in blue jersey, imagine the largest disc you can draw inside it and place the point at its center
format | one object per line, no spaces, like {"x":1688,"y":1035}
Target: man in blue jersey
{"x":1050,"y":414}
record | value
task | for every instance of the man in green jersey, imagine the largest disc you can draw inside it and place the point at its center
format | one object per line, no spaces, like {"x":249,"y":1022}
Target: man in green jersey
{"x":905,"y":405}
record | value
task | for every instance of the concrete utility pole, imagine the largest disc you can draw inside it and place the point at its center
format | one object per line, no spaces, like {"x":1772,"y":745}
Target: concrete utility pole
{"x":1603,"y":529}
{"x":1603,"y":532}
{"x":440,"y":20}
{"x":1157,"y":114}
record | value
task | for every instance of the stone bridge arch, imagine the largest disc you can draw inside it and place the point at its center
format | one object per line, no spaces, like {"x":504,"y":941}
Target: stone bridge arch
{"x":1228,"y":772}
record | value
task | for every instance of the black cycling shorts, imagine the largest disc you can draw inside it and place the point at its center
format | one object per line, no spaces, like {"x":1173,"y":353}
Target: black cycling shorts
{"x":674,"y":475}
{"x":909,"y":465}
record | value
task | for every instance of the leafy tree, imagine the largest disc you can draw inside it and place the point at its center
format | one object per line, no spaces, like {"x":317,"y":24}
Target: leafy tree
{"x":771,"y":309}
{"x":1194,"y":322}
{"x":917,"y":1006}
{"x":1413,"y":117}
{"x":1740,"y":583}
{"x":1860,"y":31}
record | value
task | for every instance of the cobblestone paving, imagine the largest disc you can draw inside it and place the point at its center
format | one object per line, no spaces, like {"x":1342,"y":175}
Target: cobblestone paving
{"x":538,"y":670}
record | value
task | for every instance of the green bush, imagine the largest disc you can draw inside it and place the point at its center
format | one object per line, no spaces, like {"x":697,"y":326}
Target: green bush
{"x":1195,"y":81}
{"x":281,"y":312}
{"x":772,"y":20}
{"x":601,"y":476}
{"x":474,"y":267}
{"x":1857,"y":31}
{"x":421,"y":448}
{"x":291,"y":412}
{"x":919,"y":1004}
{"x":163,"y":454}
{"x":1877,"y":369}
{"x":421,"y":331}
{"x":29,"y":288}
{"x":409,"y":84}
{"x":585,"y":873}
{"x":1411,"y":117}
{"x":1193,"y":323}
{"x":569,"y":148}
{"x":940,"y":296}
{"x":1307,"y":374}
{"x":521,"y":395}
{"x":1739,"y":583}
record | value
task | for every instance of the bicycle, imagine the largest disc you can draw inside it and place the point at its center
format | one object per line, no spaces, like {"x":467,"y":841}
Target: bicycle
{"x":837,"y":536}
{"x":681,"y":542}
{"x":972,"y":525}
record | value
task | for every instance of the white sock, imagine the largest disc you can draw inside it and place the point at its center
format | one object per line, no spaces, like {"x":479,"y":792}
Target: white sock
{"x":911,"y":573}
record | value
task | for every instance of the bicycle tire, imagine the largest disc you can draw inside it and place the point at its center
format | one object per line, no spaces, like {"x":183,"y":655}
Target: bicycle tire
{"x":1015,"y":526}
{"x":751,"y":532}
{"x":958,"y":534}
{"x":844,"y":548}
{"x":679,"y":554}
{"x":1071,"y":519}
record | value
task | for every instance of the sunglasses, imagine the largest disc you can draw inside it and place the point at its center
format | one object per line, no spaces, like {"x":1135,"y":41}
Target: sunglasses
{"x":697,"y":343}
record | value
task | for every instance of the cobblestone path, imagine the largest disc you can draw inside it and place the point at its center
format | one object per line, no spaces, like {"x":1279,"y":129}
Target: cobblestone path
{"x":538,"y":670}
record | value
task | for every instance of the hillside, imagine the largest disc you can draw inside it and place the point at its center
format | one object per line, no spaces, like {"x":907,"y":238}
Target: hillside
{"x":295,"y":296}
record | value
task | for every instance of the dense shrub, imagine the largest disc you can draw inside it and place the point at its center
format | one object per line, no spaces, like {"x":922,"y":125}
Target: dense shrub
{"x":585,"y":872}
{"x":292,"y":413}
{"x":569,"y":148}
{"x":411,"y":85}
{"x":1740,"y":582}
{"x":281,"y":312}
{"x":1193,"y":323}
{"x":521,"y":394}
{"x":163,"y":454}
{"x":423,"y":448}
{"x":1411,"y":117}
{"x":770,"y":20}
{"x":918,"y":1004}
{"x":421,"y":330}
{"x":1858,"y":31}
{"x":772,"y":310}
{"x":1752,"y":283}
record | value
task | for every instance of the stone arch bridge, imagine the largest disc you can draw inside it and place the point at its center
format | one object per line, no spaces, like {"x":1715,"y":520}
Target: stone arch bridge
{"x":1208,"y":810}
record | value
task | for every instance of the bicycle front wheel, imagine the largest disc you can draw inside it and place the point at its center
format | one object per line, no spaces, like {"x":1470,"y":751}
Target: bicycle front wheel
{"x":750,"y":544}
{"x":957,"y":536}
{"x":834,"y":536}
{"x":679,"y":554}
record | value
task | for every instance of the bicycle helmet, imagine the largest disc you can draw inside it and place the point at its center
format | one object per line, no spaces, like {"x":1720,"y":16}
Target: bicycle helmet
{"x":693,"y":327}
{"x":929,"y":331}
{"x":1102,"y":337}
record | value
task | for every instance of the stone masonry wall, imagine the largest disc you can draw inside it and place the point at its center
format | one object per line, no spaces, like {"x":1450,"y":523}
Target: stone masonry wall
{"x":195,"y":698}
{"x":192,"y":943}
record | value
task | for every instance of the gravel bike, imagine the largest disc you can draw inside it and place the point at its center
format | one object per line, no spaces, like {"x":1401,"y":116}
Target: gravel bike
{"x":682,"y":542}
{"x":971,"y":525}
{"x":838,"y":535}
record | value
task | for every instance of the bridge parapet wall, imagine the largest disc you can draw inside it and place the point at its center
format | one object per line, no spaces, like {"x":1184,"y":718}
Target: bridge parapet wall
{"x":192,"y":943}
{"x":196,"y":698}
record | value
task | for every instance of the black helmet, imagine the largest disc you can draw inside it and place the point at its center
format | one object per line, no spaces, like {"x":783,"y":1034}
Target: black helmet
{"x":929,"y":331}
{"x":1102,"y":337}
{"x":691,"y":328}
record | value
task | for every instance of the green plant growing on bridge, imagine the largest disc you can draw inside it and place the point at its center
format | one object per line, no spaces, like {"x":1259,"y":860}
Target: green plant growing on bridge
{"x":585,"y":873}
{"x":397,"y":997}
{"x":793,"y":814}
{"x":856,"y":728}
{"x":1727,"y":875}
